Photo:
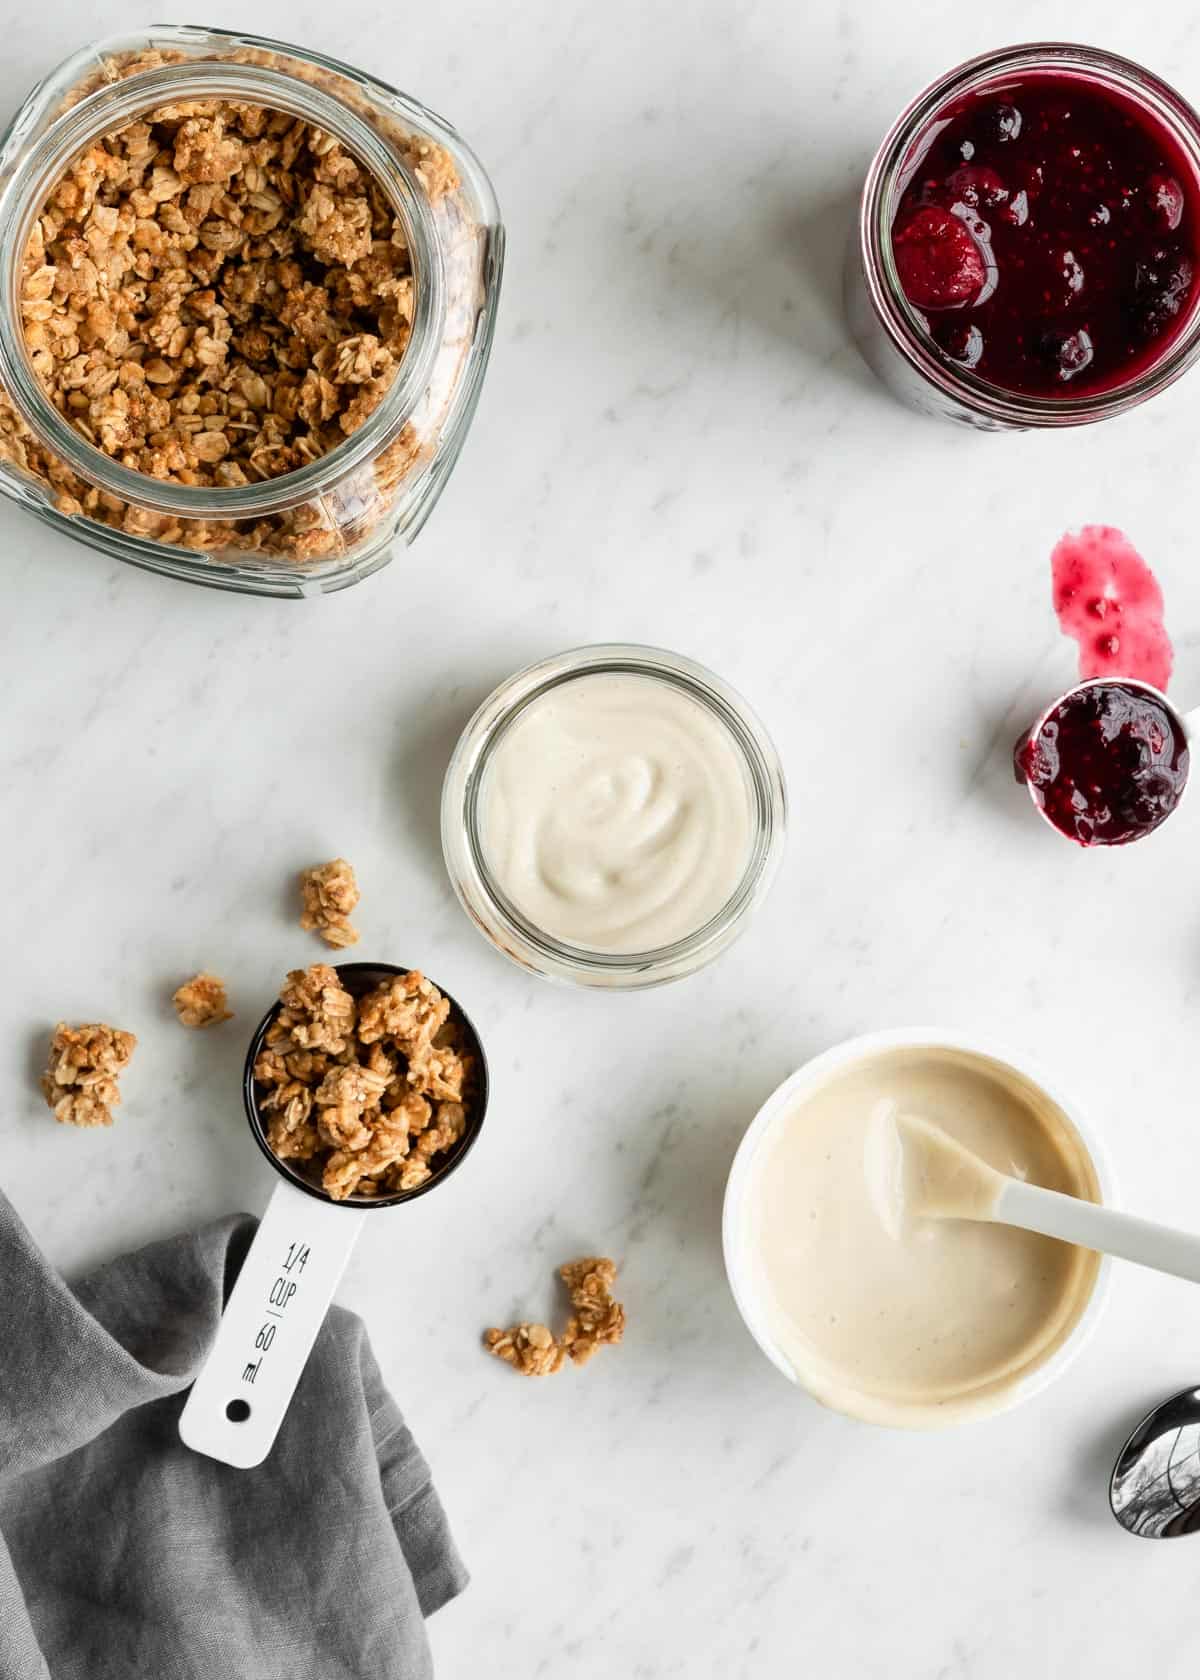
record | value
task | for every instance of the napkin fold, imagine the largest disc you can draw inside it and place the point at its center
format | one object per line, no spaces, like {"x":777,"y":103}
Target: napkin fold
{"x":125,"y":1556}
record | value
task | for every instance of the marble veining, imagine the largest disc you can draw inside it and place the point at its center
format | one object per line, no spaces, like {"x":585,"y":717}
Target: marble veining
{"x":676,"y":444}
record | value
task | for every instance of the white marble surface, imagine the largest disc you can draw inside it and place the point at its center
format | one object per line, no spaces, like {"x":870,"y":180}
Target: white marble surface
{"x":676,"y":444}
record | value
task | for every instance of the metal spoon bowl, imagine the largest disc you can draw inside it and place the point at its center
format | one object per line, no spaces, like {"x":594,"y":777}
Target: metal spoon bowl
{"x":1155,"y":1486}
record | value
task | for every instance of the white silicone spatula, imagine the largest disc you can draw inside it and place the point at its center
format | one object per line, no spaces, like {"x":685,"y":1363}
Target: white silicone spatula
{"x":943,"y":1179}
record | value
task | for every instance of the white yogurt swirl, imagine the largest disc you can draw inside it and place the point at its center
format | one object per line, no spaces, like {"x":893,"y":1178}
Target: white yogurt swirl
{"x":616,"y":813}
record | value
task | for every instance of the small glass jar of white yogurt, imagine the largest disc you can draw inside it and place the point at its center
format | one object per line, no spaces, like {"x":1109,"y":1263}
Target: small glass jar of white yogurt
{"x":612,"y":816}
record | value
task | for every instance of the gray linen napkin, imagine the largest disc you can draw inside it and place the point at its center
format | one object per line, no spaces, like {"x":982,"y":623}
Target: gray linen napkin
{"x":124,"y":1556}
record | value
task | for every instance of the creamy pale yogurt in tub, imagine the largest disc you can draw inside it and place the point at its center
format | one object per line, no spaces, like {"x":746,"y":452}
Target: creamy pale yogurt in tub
{"x":613,"y":815}
{"x":909,"y":1322}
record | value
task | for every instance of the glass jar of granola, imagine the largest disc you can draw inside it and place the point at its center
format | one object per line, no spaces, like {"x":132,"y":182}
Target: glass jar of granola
{"x":246,"y":305}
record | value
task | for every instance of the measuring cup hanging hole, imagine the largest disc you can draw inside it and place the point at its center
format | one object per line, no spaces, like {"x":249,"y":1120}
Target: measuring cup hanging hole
{"x":237,"y":1411}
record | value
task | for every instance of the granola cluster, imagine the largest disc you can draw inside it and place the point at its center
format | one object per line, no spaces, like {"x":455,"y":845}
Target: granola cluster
{"x":329,"y":892}
{"x":368,"y":1090}
{"x":215,"y":294}
{"x":80,"y":1083}
{"x":533,"y":1349}
{"x":202,"y":1001}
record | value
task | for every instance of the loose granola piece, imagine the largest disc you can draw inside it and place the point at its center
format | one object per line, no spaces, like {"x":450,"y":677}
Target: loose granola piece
{"x":201,"y":1001}
{"x":528,"y":1348}
{"x":318,"y":1013}
{"x":346,"y":1170}
{"x":379,"y":1062}
{"x":404,"y":1109}
{"x":271,"y":1068}
{"x":293,"y":1143}
{"x":340,"y":1174}
{"x":304,"y":989}
{"x":597,"y":1318}
{"x":80,"y":1083}
{"x":407,"y":1009}
{"x":293,"y":1100}
{"x":343,"y":1098}
{"x":412,"y":1174}
{"x":308,"y":1066}
{"x":441,"y":1072}
{"x":330,"y":892}
{"x":448,"y":1126}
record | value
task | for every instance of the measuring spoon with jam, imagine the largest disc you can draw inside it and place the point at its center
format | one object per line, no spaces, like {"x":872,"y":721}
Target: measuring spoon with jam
{"x":1108,"y":762}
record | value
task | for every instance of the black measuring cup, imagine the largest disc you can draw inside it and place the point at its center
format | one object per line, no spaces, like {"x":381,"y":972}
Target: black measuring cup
{"x":294,"y":1264}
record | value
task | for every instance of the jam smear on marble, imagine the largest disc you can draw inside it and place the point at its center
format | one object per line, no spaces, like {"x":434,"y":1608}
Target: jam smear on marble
{"x":1109,"y":600}
{"x":1074,"y":262}
{"x":1108,"y":764}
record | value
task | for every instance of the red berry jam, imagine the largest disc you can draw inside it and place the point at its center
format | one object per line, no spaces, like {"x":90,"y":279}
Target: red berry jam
{"x":1049,"y":236}
{"x":1108,"y":599}
{"x":1108,"y":764}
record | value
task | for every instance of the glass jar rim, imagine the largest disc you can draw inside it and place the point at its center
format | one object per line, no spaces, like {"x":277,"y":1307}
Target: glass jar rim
{"x":116,"y":103}
{"x":897,"y":316}
{"x":486,"y":904}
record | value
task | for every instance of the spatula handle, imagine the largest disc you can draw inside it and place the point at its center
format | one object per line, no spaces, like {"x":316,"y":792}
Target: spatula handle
{"x":269,"y":1325}
{"x":1100,"y":1228}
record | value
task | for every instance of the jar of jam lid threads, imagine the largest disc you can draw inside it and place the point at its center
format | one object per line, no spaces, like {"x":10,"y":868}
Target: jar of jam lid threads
{"x":1028,"y":246}
{"x":247,"y":295}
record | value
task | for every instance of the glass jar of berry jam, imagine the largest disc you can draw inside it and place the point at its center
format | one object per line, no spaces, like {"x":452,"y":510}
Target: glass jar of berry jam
{"x":1028,"y":248}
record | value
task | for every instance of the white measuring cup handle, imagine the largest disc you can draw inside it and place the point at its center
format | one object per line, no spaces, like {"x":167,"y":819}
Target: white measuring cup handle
{"x":269,"y":1325}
